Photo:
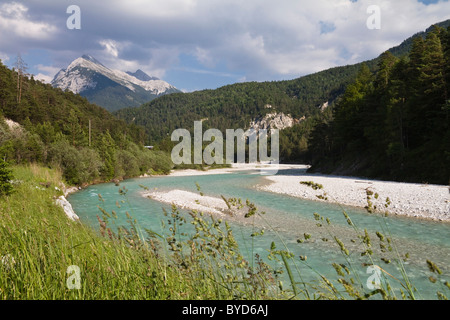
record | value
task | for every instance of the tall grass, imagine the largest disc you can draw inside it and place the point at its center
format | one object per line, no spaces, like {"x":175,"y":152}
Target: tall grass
{"x":195,"y":257}
{"x":365,"y":253}
{"x":38,"y":243}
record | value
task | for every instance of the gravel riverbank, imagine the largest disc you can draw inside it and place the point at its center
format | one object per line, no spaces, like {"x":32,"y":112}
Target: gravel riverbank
{"x":406,"y":199}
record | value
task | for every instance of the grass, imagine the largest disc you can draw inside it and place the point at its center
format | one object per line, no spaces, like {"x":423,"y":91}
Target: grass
{"x":39,"y":245}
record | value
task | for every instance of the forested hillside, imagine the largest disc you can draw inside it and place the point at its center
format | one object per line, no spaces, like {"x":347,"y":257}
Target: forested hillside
{"x":393,"y":124}
{"x":54,"y":129}
{"x":375,"y":113}
{"x":234,"y":106}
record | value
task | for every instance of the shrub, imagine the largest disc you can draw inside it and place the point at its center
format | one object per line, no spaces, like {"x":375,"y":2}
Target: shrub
{"x":78,"y":165}
{"x":126,"y":165}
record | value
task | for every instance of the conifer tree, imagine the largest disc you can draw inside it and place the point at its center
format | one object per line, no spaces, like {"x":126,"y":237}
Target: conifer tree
{"x":387,"y":62}
{"x":348,"y":115}
{"x":446,"y":44}
{"x":432,"y":70}
{"x":5,"y":178}
{"x":75,"y":130}
{"x":106,"y":147}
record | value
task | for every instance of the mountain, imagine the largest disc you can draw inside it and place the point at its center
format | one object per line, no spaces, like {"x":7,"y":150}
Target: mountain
{"x":237,"y":105}
{"x":313,"y":100}
{"x":109,"y":88}
{"x":141,"y":75}
{"x":405,"y":47}
{"x":394,"y":124}
{"x":45,"y":125}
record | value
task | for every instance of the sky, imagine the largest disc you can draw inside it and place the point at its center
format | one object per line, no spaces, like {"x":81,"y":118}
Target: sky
{"x":206,"y":44}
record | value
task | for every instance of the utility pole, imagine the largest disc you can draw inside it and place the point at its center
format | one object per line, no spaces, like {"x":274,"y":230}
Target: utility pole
{"x":89,"y":132}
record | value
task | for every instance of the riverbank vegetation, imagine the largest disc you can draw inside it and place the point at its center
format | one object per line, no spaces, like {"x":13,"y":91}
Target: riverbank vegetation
{"x":195,"y":257}
{"x":39,"y":244}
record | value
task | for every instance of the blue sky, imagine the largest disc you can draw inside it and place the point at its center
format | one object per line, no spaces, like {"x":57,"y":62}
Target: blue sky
{"x":205,"y":44}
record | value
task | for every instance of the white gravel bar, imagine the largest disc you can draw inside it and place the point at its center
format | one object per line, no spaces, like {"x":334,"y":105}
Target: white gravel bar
{"x":407,"y":199}
{"x":189,"y":200}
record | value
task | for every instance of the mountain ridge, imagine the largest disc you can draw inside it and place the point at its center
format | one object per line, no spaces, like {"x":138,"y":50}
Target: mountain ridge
{"x":141,"y":75}
{"x":109,"y":88}
{"x":236,"y":105}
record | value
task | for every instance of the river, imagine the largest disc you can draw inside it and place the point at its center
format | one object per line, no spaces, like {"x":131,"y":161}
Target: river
{"x":286,"y":220}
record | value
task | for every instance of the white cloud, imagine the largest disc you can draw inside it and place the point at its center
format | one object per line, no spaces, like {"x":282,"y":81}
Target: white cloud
{"x":286,"y":38}
{"x":43,"y":78}
{"x":121,"y":55}
{"x":16,"y":21}
{"x":204,"y":57}
{"x":47,"y":69}
{"x":261,"y":40}
{"x":166,"y":9}
{"x":47,"y":73}
{"x":208,"y":72}
{"x":111,"y":47}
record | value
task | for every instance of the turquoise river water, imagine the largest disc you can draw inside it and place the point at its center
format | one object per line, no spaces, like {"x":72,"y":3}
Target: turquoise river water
{"x":286,"y":220}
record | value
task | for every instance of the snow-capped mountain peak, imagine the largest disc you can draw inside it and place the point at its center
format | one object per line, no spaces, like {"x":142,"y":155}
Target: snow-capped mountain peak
{"x":85,"y":75}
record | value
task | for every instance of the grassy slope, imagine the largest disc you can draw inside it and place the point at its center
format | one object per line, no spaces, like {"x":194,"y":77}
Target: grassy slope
{"x":38,"y":244}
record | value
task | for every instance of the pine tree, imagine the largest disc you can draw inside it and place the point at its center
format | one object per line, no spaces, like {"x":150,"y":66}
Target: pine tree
{"x":396,"y":114}
{"x":433,"y":85}
{"x":377,"y":108}
{"x":446,"y":44}
{"x":415,"y":64}
{"x":414,"y":107}
{"x":75,"y":131}
{"x":106,"y":148}
{"x":432,"y":70}
{"x":5,"y":178}
{"x":387,"y":62}
{"x":349,"y":116}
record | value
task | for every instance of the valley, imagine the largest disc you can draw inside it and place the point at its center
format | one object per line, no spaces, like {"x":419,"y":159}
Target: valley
{"x":173,"y":194}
